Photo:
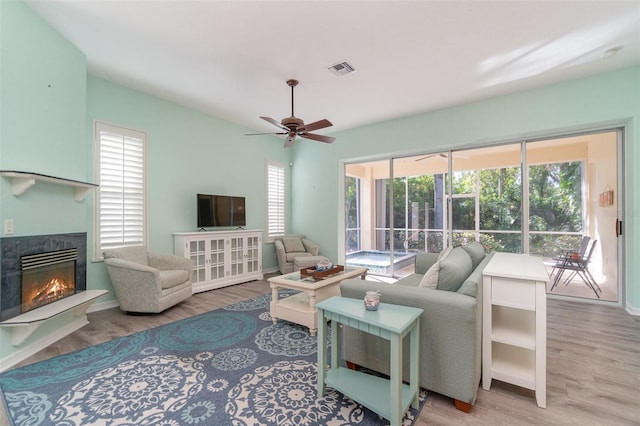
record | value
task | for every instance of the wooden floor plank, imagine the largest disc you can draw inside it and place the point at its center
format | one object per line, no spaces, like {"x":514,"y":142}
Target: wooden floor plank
{"x":593,"y":363}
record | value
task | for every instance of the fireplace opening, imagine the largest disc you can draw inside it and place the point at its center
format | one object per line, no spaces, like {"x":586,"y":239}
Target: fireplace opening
{"x":47,"y":277}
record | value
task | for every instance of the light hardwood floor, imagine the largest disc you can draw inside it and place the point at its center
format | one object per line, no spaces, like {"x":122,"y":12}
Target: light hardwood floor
{"x":593,"y":363}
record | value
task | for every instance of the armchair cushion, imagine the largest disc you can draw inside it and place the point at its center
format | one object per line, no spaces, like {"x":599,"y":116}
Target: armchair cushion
{"x":172,"y":278}
{"x":293,"y":245}
{"x":292,"y":256}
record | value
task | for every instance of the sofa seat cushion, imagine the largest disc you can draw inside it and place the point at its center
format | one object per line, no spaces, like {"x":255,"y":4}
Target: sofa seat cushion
{"x":293,"y":244}
{"x":173,"y":277}
{"x":454,"y":269}
{"x":412,"y":280}
{"x":291,"y":256}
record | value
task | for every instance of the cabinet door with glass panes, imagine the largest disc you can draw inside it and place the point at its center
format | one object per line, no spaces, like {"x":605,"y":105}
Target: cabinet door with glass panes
{"x":208,"y":259}
{"x":236,"y":251}
{"x":253,"y":254}
{"x":245,"y":252}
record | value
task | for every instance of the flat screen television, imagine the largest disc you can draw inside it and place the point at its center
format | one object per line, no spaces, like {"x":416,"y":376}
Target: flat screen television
{"x":220,"y":210}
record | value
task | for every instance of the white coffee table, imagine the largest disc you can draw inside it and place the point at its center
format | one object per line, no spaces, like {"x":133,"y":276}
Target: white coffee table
{"x":301,"y":307}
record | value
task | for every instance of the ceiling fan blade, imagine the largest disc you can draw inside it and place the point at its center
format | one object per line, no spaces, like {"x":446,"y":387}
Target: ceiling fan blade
{"x":275,"y":123}
{"x":270,"y":133}
{"x":430,"y":156}
{"x":289,"y":141}
{"x":319,"y":138}
{"x":321,"y":124}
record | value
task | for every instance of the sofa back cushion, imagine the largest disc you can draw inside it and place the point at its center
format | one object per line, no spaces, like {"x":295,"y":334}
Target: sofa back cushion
{"x":454,"y":269}
{"x":475,"y":250}
{"x":424,"y":261}
{"x":293,"y":245}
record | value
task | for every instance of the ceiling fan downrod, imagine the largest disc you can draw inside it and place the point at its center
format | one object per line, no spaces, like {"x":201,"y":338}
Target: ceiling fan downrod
{"x":292,"y":83}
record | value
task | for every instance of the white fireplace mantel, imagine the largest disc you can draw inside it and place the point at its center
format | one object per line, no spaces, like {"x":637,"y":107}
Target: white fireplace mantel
{"x":22,"y":181}
{"x":23,"y":325}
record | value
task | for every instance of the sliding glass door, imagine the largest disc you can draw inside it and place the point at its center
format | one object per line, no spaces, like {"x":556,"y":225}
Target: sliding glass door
{"x":398,"y":207}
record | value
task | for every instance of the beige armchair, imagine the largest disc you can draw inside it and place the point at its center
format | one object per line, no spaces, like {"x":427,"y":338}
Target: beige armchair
{"x":148,"y":282}
{"x":288,"y":247}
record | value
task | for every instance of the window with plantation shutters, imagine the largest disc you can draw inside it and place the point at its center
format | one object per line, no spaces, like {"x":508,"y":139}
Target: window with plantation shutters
{"x":275,"y":199}
{"x":121,"y":200}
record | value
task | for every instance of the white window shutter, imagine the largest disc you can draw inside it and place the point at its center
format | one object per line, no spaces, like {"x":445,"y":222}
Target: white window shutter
{"x":275,"y":199}
{"x":120,"y":212}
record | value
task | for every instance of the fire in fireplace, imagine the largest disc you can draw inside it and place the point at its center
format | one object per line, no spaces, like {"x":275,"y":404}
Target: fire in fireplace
{"x":47,"y":277}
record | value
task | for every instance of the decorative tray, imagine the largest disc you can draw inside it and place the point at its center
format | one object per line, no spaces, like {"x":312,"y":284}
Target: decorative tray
{"x":311,"y":272}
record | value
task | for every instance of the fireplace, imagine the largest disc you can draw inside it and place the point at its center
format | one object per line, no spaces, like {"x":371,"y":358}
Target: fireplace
{"x":40,"y":269}
{"x":47,"y":277}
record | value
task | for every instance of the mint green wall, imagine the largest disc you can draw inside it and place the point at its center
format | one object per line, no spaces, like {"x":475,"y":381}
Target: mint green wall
{"x":188,"y":152}
{"x":43,"y":83}
{"x":42,"y":130}
{"x":611,"y":99}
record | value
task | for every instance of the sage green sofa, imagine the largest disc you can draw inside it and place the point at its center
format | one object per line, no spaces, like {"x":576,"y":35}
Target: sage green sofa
{"x":450,"y":325}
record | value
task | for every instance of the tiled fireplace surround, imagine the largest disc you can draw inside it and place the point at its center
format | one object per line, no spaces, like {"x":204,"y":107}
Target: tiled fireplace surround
{"x":13,"y":248}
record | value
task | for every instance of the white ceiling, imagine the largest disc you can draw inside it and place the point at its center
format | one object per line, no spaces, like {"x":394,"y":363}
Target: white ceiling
{"x":231,"y":59}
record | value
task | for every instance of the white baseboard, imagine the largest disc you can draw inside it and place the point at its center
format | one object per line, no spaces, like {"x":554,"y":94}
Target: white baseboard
{"x":35,"y":347}
{"x":633,"y":310}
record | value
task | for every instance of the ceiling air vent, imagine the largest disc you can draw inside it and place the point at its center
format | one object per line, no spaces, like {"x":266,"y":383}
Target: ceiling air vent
{"x":342,"y":68}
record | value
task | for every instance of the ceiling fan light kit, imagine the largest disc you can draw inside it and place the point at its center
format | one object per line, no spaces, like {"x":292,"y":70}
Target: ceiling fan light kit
{"x":294,"y":126}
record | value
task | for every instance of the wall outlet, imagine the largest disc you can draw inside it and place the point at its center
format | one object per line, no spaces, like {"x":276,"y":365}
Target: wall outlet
{"x":8,"y":226}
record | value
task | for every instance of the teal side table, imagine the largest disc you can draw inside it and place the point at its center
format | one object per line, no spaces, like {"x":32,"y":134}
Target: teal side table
{"x":389,"y":398}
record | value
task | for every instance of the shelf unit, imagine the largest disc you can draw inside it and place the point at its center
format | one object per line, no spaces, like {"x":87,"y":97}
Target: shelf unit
{"x":514,"y":348}
{"x":390,"y":398}
{"x":22,"y":181}
{"x":221,"y":258}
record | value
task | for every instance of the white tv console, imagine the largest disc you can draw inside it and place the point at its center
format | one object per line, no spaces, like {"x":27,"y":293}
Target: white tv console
{"x":221,"y":258}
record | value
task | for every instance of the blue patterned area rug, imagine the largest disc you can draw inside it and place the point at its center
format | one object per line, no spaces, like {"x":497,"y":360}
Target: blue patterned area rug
{"x":230,"y":366}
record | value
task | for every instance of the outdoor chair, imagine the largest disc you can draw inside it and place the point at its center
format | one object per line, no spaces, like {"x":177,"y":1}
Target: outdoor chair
{"x":578,"y":253}
{"x":578,"y":265}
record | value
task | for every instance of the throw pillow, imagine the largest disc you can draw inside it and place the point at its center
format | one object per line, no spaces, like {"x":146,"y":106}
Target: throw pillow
{"x":454,"y":269}
{"x":430,"y":278}
{"x":293,"y":245}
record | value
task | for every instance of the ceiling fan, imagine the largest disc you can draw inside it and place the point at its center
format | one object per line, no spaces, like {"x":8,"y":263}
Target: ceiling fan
{"x":442,"y":155}
{"x":293,"y":126}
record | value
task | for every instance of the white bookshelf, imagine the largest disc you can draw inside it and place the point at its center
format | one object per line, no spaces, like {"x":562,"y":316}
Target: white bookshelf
{"x":514,"y":347}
